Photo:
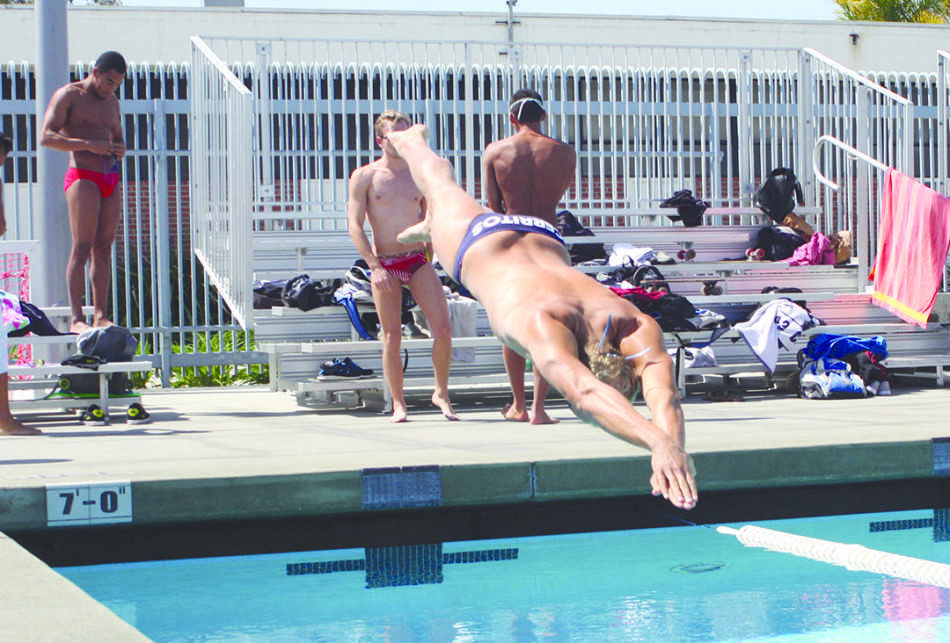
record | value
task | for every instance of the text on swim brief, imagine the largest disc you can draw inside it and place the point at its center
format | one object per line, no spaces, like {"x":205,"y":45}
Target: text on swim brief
{"x":494,"y":220}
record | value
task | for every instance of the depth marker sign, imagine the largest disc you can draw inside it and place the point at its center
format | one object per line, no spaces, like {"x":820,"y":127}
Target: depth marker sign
{"x":99,"y":503}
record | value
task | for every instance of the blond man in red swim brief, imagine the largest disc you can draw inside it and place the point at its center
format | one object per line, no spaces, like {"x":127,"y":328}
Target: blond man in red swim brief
{"x":83,"y":118}
{"x":384,"y":194}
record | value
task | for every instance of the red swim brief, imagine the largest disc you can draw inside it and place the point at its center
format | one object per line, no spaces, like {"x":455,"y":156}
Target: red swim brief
{"x":105,"y":181}
{"x":402,"y":267}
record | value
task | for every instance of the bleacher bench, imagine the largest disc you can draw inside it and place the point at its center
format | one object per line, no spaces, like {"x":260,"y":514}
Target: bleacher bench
{"x":299,"y":342}
{"x":37,"y":379}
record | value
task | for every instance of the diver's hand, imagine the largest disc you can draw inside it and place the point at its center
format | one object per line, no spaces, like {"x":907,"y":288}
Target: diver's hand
{"x":674,"y":475}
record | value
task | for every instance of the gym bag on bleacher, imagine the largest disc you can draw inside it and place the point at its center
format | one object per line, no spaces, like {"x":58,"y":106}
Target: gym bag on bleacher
{"x":99,"y":346}
{"x":778,"y":195}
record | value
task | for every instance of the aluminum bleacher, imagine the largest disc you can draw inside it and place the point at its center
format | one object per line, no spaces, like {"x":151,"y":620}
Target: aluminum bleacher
{"x":299,"y":342}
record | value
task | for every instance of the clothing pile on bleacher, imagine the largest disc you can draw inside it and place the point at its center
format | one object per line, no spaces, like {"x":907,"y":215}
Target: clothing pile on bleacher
{"x":635,"y":278}
{"x":843,"y":366}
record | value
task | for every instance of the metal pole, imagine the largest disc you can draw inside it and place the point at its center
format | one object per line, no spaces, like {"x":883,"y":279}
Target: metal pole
{"x":806,"y":132}
{"x":514,"y":54}
{"x":941,"y":123}
{"x":52,"y":72}
{"x":163,"y":279}
{"x":863,"y":238}
{"x":744,"y":129}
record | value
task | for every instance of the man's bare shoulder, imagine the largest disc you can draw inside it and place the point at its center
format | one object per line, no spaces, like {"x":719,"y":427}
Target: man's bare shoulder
{"x":69,"y":92}
{"x":364,"y":173}
{"x":560,"y":146}
{"x":494,"y":149}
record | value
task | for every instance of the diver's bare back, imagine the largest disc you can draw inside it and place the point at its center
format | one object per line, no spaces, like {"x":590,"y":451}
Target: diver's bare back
{"x":89,"y":117}
{"x":519,"y":271}
{"x":393,"y":203}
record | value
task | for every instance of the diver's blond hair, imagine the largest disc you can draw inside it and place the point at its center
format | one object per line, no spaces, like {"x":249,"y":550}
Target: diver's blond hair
{"x":611,"y":369}
{"x":390,"y":116}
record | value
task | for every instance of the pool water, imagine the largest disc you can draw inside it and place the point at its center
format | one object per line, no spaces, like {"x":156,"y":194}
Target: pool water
{"x":677,"y":584}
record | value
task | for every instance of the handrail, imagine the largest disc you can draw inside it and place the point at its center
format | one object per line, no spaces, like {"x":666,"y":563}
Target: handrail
{"x":943,"y":59}
{"x":852,"y":153}
{"x":218,"y":64}
{"x":858,"y":78}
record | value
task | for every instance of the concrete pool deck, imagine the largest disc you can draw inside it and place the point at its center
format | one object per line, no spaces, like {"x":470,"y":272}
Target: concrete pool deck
{"x":249,"y":453}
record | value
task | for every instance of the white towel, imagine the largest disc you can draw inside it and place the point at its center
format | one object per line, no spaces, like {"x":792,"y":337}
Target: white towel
{"x":623,"y":254}
{"x":462,"y":316}
{"x":777,"y":324}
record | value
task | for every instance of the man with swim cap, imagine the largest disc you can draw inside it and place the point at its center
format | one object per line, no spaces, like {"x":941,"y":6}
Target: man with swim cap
{"x":527,"y":173}
{"x":593,"y":346}
{"x":384,"y":193}
{"x":83,"y":119}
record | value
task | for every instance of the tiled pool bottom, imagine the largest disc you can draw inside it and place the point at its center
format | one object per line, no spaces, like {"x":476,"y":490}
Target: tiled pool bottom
{"x":676,"y":584}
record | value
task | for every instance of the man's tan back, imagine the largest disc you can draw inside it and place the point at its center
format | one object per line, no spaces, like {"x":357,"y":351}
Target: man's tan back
{"x":528,"y":173}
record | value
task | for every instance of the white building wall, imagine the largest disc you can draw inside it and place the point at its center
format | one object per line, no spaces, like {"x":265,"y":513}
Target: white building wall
{"x":161,"y":35}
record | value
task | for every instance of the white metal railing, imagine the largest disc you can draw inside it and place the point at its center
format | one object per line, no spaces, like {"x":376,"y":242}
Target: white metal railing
{"x":839,"y":156}
{"x":867,"y":117}
{"x":943,"y":101}
{"x":942,"y":146}
{"x":223,"y":155}
{"x":646,"y":121}
{"x":158,"y":289}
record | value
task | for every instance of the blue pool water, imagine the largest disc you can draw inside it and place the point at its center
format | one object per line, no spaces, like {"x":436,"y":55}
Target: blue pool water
{"x":678,"y":584}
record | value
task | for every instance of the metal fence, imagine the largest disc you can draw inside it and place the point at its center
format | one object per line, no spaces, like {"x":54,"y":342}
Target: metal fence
{"x":870,"y":118}
{"x":262,"y":136}
{"x":645,"y":121}
{"x":942,"y":101}
{"x":159,"y":290}
{"x":222,"y":177}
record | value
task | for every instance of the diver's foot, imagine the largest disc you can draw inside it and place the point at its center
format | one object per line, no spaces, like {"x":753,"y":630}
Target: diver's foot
{"x":418,"y":133}
{"x":418,"y":233}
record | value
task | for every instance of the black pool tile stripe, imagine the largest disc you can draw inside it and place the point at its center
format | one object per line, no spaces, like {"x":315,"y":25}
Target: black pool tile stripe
{"x":480,"y":556}
{"x":404,"y":563}
{"x":401,"y":487}
{"x":899,"y":525}
{"x":325,"y":567}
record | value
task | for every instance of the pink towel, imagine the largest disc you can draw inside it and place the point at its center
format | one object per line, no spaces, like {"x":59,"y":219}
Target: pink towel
{"x":913,"y":240}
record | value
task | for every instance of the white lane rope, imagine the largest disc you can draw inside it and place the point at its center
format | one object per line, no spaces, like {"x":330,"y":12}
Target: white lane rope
{"x":853,"y":557}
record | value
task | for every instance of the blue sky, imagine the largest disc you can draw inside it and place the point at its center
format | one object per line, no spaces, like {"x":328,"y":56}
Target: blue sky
{"x":768,"y":9}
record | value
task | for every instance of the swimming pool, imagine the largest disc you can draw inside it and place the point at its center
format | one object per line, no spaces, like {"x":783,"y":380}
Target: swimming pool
{"x":673,"y":584}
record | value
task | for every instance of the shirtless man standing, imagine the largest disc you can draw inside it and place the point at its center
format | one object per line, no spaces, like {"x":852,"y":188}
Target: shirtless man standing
{"x":383,"y":192}
{"x":83,"y":119}
{"x":527,"y":173}
{"x":596,"y":348}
